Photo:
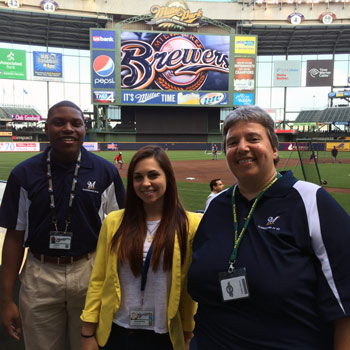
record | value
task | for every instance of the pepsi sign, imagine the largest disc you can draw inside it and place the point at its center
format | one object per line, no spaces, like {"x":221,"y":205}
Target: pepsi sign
{"x":103,"y":39}
{"x":103,"y":70}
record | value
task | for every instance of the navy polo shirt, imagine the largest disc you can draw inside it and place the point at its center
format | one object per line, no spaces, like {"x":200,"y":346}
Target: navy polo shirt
{"x":25,"y":205}
{"x":295,"y":252}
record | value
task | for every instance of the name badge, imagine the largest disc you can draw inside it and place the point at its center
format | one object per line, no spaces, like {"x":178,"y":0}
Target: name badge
{"x":141,"y":318}
{"x":234,"y":285}
{"x":60,"y":240}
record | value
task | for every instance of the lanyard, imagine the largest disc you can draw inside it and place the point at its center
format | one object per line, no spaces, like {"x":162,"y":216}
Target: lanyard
{"x":144,"y":271}
{"x":72,"y":192}
{"x":238,"y":238}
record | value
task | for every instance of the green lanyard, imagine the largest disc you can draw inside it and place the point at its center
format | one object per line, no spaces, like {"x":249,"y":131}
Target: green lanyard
{"x":238,"y":238}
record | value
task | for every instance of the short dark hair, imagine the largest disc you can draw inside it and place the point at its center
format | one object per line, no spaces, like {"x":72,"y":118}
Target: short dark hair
{"x":65,"y":103}
{"x":251,"y":114}
{"x":213,"y":183}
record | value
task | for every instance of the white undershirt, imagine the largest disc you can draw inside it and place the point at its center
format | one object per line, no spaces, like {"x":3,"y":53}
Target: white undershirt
{"x":156,"y":293}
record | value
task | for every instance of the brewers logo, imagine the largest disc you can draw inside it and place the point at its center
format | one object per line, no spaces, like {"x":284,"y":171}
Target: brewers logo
{"x":177,"y":77}
{"x":169,"y":61}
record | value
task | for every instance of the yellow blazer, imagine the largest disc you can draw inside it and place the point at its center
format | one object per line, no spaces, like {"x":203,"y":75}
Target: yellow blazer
{"x":103,"y":295}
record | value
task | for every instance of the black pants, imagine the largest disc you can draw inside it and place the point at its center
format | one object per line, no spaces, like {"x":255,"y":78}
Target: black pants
{"x":137,"y":339}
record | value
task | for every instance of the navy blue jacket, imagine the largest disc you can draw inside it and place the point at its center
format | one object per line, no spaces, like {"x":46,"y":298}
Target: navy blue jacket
{"x":25,"y":204}
{"x":296,"y":254}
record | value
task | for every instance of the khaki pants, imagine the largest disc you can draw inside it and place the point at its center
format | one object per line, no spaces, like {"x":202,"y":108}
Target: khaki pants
{"x":51,"y":300}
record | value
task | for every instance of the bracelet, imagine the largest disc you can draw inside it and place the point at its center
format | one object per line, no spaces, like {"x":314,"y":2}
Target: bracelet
{"x":87,"y":336}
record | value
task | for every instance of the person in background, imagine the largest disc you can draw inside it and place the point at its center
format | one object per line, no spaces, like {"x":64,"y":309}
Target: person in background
{"x":137,"y":297}
{"x":270,"y":263}
{"x":334,"y":152}
{"x":216,"y":187}
{"x":54,"y":204}
{"x":214,"y":151}
{"x":118,"y":160}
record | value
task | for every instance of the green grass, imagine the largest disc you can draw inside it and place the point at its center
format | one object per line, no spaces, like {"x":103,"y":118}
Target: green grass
{"x":193,"y":195}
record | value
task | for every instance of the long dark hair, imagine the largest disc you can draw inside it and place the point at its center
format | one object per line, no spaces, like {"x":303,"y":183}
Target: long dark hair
{"x":132,"y":231}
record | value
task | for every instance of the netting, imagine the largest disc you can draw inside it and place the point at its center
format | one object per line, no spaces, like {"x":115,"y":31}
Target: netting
{"x":308,"y":157}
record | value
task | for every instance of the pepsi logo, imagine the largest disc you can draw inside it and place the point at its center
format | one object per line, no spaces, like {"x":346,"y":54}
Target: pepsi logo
{"x":103,"y":65}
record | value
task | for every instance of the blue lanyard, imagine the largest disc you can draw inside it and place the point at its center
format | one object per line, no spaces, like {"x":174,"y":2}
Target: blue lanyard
{"x":144,"y":271}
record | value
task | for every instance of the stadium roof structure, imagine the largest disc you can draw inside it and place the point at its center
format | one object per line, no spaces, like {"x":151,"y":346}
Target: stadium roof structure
{"x":326,"y":116}
{"x":35,"y":28}
{"x":56,"y":30}
{"x":300,"y":40}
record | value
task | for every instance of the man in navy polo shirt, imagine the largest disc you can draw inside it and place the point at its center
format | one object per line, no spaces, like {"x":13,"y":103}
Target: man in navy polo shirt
{"x":54,"y":204}
{"x":270,"y":263}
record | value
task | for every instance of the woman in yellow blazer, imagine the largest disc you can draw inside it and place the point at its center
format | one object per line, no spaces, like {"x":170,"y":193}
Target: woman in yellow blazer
{"x":137,"y":297}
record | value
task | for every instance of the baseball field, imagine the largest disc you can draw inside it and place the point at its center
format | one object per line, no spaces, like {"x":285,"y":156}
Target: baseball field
{"x":195,"y":169}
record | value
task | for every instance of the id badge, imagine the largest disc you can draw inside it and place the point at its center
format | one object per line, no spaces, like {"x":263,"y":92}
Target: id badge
{"x":234,"y":285}
{"x":141,"y":318}
{"x":60,"y":240}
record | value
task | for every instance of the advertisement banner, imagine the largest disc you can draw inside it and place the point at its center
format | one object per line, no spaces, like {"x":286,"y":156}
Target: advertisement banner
{"x":5,"y":133}
{"x":319,"y":73}
{"x":103,"y":96}
{"x":244,"y":74}
{"x":47,"y":64}
{"x":286,"y":73}
{"x":112,"y":146}
{"x":339,"y":94}
{"x":245,"y":45}
{"x":22,"y":138}
{"x":174,"y":98}
{"x":243,"y":99}
{"x":340,"y":146}
{"x":103,"y":39}
{"x":13,"y":64}
{"x":103,"y":69}
{"x":27,"y":117}
{"x":19,"y":147}
{"x":91,"y":146}
{"x":174,"y":61}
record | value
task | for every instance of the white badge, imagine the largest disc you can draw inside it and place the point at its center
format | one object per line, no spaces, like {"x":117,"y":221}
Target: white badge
{"x":234,"y":285}
{"x":141,"y":318}
{"x":60,"y":240}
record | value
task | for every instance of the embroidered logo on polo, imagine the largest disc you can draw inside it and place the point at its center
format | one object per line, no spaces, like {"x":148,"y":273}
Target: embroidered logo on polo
{"x":271,"y":220}
{"x":270,"y":224}
{"x":91,"y":187}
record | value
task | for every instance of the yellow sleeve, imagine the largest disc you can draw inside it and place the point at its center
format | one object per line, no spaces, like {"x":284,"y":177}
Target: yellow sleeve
{"x":188,"y":306}
{"x":93,"y":298}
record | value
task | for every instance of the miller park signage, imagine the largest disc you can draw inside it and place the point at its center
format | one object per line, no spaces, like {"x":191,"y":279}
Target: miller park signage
{"x":171,"y":66}
{"x":176,"y":15}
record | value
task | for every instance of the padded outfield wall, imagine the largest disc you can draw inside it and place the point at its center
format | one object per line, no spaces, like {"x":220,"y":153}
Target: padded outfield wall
{"x":342,"y":146}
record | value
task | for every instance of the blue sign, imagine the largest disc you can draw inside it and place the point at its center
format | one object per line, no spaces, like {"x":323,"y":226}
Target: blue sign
{"x":174,"y":98}
{"x":243,"y":99}
{"x":103,"y":39}
{"x":103,"y":69}
{"x":339,"y":94}
{"x":47,"y":64}
{"x":135,"y":97}
{"x":104,"y":96}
